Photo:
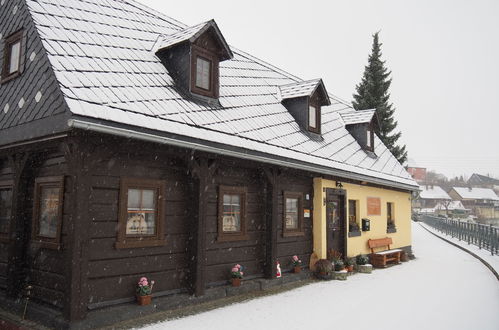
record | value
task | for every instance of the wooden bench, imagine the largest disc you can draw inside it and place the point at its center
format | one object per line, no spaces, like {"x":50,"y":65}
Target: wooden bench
{"x":380,"y":258}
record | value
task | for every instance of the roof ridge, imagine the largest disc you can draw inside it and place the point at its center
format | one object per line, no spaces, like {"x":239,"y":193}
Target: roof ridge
{"x":156,"y":13}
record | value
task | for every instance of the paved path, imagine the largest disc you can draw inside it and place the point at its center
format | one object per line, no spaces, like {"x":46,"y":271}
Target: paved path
{"x":444,"y":288}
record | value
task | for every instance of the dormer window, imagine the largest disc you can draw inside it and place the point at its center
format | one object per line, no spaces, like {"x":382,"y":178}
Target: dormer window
{"x":314,"y":116}
{"x":203,"y":47}
{"x":203,"y":73}
{"x":369,"y":139}
{"x":204,"y":76}
{"x":361,"y":124}
{"x":304,"y":100}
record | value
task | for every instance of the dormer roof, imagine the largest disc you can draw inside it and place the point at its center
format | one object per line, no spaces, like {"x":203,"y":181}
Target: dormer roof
{"x":191,"y":34}
{"x":358,"y":117}
{"x":305,"y":88}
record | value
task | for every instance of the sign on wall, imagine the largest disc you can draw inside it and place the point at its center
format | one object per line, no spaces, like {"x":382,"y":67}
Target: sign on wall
{"x":373,"y":206}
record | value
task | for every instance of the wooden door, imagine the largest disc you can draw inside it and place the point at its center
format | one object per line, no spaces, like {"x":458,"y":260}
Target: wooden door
{"x":335,"y":220}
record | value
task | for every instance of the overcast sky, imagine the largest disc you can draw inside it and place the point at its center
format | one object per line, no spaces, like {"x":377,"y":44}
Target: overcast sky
{"x":444,"y":58}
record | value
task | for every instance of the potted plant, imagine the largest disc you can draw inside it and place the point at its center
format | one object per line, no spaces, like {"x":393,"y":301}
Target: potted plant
{"x":236,"y":275}
{"x":338,"y":265}
{"x":349,"y":264}
{"x":362,"y":264}
{"x":143,"y":291}
{"x":296,"y":264}
{"x":323,"y":269}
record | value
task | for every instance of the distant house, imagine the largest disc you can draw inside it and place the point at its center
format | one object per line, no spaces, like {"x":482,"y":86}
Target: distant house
{"x":483,"y":202}
{"x":482,"y":181}
{"x":430,"y":196}
{"x":454,"y":209}
{"x":418,"y":173}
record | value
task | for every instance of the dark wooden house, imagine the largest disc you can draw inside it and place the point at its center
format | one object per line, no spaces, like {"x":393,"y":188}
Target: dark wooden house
{"x":131,"y":145}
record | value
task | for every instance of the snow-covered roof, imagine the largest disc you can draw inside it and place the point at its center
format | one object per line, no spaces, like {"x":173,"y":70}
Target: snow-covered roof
{"x":191,"y":34}
{"x":358,"y":117}
{"x":303,"y":88}
{"x":103,"y":56}
{"x":452,"y":205}
{"x":476,"y":193}
{"x":433,"y":192}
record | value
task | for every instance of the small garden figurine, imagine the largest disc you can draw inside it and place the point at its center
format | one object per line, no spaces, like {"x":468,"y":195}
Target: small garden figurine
{"x":144,"y":291}
{"x":278,"y":272}
{"x":296,"y":264}
{"x":236,"y":275}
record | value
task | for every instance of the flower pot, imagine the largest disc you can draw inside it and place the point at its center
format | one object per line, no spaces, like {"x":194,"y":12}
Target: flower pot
{"x":236,"y":281}
{"x":296,"y":269}
{"x":350,"y":268}
{"x":144,"y":300}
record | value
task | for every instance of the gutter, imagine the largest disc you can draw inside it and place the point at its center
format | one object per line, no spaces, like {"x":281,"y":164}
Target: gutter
{"x":94,"y":127}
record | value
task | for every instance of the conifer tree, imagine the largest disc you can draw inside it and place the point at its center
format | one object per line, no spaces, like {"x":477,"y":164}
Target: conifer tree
{"x":372,"y":93}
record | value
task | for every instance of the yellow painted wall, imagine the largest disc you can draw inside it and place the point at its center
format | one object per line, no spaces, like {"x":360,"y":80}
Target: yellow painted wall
{"x":358,"y":245}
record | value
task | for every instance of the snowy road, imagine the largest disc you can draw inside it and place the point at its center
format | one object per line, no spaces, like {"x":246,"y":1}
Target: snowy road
{"x":444,"y":288}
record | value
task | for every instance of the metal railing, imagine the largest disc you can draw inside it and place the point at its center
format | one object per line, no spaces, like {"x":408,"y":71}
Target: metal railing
{"x":484,"y":236}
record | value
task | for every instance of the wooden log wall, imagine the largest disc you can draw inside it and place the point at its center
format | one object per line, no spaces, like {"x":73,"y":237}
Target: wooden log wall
{"x":113,"y":273}
{"x":302,"y":246}
{"x":44,"y":268}
{"x":221,"y":256}
{"x":6,"y":174}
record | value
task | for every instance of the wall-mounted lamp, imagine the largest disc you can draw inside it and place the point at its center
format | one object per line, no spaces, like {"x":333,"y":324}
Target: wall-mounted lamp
{"x":339,"y":185}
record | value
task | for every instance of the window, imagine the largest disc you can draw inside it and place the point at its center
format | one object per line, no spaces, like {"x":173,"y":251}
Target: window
{"x":369,"y":139}
{"x":141,"y":215}
{"x":311,"y":116}
{"x":353,"y":217}
{"x":5,"y":209}
{"x":293,"y":214}
{"x":314,"y":118}
{"x":232,"y":213}
{"x":390,"y":220}
{"x":204,"y":72}
{"x":47,"y":211}
{"x":12,"y":56}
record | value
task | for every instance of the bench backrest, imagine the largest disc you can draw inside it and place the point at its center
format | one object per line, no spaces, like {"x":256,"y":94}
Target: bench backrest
{"x":380,"y":242}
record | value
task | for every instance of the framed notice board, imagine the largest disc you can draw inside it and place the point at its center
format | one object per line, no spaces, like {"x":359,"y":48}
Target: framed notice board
{"x":373,"y":206}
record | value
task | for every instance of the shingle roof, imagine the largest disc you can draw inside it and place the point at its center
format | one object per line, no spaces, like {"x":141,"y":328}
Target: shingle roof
{"x":302,"y":88}
{"x":191,"y":34}
{"x":101,"y":55}
{"x":357,"y":117}
{"x":433,"y":192}
{"x":476,"y":193}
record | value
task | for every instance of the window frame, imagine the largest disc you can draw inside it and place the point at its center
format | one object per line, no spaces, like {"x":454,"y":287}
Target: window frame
{"x":8,"y":42}
{"x":390,"y":216}
{"x":232,"y":236}
{"x":124,"y":241}
{"x":353,"y":233}
{"x":8,"y":184}
{"x":198,"y":52}
{"x":49,"y":182}
{"x":316,"y":105}
{"x":298,"y":231}
{"x":370,"y":138}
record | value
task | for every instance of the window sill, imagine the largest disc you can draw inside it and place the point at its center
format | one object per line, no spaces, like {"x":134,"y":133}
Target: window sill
{"x":232,"y":238}
{"x":354,"y":234}
{"x":46,"y":245}
{"x":10,"y":77}
{"x":139,"y":243}
{"x":293,"y":233}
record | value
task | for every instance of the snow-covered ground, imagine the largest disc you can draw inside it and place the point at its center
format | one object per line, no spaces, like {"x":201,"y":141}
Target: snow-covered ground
{"x":444,"y":288}
{"x":492,"y":260}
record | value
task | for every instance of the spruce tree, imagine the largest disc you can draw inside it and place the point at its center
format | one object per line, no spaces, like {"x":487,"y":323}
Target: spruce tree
{"x":372,"y":93}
